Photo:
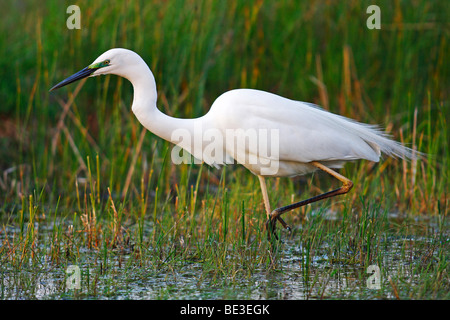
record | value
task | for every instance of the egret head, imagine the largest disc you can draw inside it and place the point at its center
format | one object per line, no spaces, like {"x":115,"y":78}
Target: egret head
{"x":114,"y":61}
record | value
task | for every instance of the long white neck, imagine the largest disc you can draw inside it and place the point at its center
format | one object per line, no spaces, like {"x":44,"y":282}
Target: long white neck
{"x":145,"y":108}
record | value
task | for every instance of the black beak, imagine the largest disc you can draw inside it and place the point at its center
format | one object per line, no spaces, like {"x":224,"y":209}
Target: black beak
{"x":77,"y":76}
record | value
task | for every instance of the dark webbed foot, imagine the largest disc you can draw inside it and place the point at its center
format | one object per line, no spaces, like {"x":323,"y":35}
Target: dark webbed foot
{"x":272,"y":222}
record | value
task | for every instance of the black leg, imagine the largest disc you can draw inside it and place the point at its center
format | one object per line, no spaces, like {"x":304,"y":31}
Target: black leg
{"x":275,"y":215}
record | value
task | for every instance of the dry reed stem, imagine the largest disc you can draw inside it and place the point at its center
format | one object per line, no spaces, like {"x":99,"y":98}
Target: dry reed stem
{"x":116,"y":223}
{"x":133,"y":163}
{"x":74,"y":148}
{"x":65,"y":110}
{"x":394,"y":287}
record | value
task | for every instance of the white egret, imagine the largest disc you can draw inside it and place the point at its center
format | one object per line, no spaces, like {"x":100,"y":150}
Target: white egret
{"x":308,"y":137}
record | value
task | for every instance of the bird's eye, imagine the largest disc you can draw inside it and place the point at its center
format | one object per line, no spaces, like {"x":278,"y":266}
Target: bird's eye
{"x":107,"y":61}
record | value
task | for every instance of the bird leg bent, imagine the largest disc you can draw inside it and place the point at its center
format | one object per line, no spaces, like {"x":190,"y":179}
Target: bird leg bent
{"x":267,"y":203}
{"x":275,"y":215}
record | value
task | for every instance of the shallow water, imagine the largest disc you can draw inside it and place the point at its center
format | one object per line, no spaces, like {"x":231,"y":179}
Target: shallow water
{"x":295,"y":275}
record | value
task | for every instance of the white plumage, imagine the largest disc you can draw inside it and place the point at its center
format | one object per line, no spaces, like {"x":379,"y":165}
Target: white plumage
{"x":307,"y":132}
{"x":307,"y":137}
